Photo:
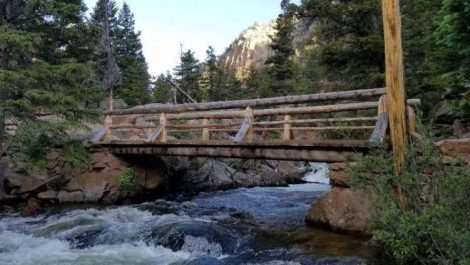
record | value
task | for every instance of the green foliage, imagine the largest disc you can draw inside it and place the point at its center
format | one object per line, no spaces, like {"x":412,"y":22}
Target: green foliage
{"x":280,"y":68}
{"x":432,"y":228}
{"x":188,"y":74}
{"x":34,"y":140}
{"x":211,"y":79}
{"x":349,"y":47}
{"x":162,"y":89}
{"x":128,"y":181}
{"x":134,"y":86}
{"x":46,"y":68}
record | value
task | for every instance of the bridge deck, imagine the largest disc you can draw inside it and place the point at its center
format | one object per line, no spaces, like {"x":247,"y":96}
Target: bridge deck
{"x":316,"y":150}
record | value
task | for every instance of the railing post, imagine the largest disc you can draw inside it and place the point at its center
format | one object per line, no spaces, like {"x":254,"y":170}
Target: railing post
{"x":206,"y":133}
{"x":250,"y":117}
{"x":287,"y":128}
{"x":411,"y":119}
{"x":108,"y":122}
{"x":163,"y":121}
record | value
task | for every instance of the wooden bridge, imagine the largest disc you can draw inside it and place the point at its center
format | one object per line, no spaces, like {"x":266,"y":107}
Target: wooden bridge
{"x":282,"y":128}
{"x":293,"y":128}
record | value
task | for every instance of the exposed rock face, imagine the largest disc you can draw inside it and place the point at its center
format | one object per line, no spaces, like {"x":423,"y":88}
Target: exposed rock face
{"x":251,"y":49}
{"x":458,"y":148}
{"x":202,"y":174}
{"x":343,"y":210}
{"x":96,"y":184}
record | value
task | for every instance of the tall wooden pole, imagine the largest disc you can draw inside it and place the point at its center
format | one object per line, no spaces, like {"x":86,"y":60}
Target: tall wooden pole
{"x":396,"y":106}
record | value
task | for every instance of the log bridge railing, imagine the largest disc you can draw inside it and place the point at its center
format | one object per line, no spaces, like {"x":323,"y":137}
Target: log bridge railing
{"x":288,"y":128}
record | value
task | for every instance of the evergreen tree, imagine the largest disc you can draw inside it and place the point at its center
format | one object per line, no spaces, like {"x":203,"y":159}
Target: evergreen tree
{"x":106,"y":68}
{"x":189,"y":73}
{"x":211,"y":77}
{"x":162,"y":91}
{"x":280,"y":65}
{"x":349,"y":45}
{"x":134,"y":86}
{"x":99,"y":14}
{"x":42,"y":72}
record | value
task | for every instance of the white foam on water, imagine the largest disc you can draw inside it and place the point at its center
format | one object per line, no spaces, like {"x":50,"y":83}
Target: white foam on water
{"x":200,"y":246}
{"x":21,"y":249}
{"x":319,"y":173}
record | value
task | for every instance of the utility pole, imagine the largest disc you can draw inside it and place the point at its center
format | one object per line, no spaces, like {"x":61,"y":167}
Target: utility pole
{"x":396,"y":106}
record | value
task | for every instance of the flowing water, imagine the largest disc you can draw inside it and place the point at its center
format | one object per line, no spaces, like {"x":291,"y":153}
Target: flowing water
{"x":242,"y":226}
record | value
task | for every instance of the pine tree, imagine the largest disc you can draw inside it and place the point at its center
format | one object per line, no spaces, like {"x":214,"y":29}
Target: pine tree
{"x":211,"y":76}
{"x":189,"y":73}
{"x":42,"y":72}
{"x":349,"y":46}
{"x":106,"y":68}
{"x":162,"y":89}
{"x":280,"y":66}
{"x":134,"y":86}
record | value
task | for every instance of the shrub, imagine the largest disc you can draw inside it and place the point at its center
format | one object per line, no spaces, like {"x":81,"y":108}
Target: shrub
{"x":433,"y":227}
{"x":128,"y":181}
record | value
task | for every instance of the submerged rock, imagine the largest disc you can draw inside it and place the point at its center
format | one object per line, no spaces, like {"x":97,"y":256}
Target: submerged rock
{"x":195,"y":236}
{"x":205,"y":261}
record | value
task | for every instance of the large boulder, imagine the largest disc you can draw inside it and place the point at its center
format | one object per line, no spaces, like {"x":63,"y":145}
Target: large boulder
{"x":343,"y":210}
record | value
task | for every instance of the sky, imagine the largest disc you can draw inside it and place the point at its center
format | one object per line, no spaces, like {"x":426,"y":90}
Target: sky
{"x":196,"y":24}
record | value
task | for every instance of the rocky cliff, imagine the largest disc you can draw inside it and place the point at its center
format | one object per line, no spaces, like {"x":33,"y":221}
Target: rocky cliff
{"x":251,"y":49}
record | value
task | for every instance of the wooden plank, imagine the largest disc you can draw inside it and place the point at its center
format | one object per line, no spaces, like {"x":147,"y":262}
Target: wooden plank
{"x":229,"y":114}
{"x":155,"y":134}
{"x":242,"y":132}
{"x":100,"y":135}
{"x":302,"y":144}
{"x":326,"y":120}
{"x":380,"y":129}
{"x":332,"y":128}
{"x":343,"y":95}
{"x":319,"y":155}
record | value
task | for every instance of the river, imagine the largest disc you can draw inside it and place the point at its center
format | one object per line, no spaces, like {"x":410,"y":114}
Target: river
{"x":243,"y":226}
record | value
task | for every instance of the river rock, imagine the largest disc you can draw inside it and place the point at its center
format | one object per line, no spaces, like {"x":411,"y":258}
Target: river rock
{"x":343,"y":210}
{"x":31,"y":207}
{"x":195,"y":236}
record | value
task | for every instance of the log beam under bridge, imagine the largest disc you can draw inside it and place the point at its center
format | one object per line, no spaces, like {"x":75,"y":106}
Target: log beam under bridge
{"x":320,"y":151}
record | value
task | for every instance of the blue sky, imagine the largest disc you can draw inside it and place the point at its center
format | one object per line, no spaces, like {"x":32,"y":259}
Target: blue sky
{"x":194,"y":23}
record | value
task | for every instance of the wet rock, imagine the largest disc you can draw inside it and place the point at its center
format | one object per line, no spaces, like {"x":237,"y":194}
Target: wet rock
{"x":70,"y":197}
{"x":205,"y":261}
{"x":47,"y":195}
{"x":337,"y":261}
{"x":343,"y":210}
{"x":195,"y":236}
{"x":31,"y":207}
